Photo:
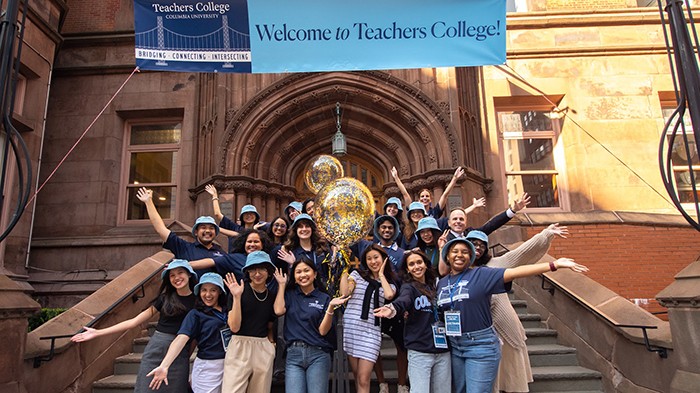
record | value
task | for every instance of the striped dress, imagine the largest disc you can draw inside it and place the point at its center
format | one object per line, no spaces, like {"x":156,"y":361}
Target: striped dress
{"x":361,"y":338}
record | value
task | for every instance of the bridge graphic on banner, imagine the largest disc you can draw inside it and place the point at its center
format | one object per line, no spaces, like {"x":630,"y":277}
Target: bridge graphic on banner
{"x":222,"y":45}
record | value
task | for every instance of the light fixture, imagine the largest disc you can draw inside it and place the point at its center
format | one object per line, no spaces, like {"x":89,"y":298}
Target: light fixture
{"x":556,"y":113}
{"x":338,"y":141}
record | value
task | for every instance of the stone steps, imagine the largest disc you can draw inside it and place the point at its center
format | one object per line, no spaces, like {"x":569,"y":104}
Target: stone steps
{"x":554,"y":367}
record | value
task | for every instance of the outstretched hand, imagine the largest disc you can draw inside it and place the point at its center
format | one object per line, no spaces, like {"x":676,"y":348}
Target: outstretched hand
{"x":383,"y":312}
{"x":459,"y":172}
{"x":285,"y":255}
{"x":280,"y":277}
{"x":481,"y":202}
{"x":211,"y":190}
{"x":338,"y":301}
{"x":381,"y":268}
{"x":233,"y":285}
{"x":160,"y":375}
{"x":394,"y":172}
{"x":521,"y":203}
{"x":442,"y":240}
{"x":87,"y":335}
{"x":144,"y":194}
{"x":560,"y":231}
{"x":570,"y":264}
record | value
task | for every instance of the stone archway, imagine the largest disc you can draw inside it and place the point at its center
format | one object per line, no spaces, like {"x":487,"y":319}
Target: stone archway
{"x":387,"y":122}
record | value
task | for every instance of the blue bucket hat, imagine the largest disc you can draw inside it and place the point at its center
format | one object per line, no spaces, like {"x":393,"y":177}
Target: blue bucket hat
{"x":394,"y":200}
{"x":249,"y":209}
{"x":427,"y":223}
{"x":293,"y":205}
{"x":204,"y":220}
{"x":417,"y":206}
{"x":258,"y":258}
{"x":303,"y":216}
{"x":380,"y":220}
{"x":478,"y":235}
{"x":452,"y":242}
{"x":175,"y":263}
{"x":210,"y":278}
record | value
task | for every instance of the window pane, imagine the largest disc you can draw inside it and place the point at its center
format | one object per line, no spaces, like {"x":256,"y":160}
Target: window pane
{"x":353,"y":170}
{"x":542,"y":189}
{"x":152,"y":167}
{"x":680,"y":154}
{"x":526,"y":121}
{"x":364,"y":177}
{"x":155,"y":134}
{"x":528,"y":154}
{"x":163,"y":198}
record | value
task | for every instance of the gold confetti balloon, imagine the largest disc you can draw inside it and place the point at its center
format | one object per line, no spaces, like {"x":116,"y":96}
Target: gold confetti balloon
{"x":344,"y":211}
{"x":321,"y":170}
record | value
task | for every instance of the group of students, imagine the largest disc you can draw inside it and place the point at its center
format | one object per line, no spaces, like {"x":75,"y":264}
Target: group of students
{"x":426,"y":281}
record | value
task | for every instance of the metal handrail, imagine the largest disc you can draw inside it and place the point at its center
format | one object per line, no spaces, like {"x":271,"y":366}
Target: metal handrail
{"x":130,"y":294}
{"x":663,"y":353}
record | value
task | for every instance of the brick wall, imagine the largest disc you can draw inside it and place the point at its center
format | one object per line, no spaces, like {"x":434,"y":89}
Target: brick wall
{"x":635,"y":261}
{"x":95,"y":16}
{"x":553,"y":5}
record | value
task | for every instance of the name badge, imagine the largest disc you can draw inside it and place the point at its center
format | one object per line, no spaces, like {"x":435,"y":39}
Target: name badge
{"x":225,"y":337}
{"x":439,"y":337}
{"x":453,"y":323}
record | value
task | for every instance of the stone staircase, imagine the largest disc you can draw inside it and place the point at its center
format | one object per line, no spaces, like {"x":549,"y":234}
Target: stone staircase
{"x":554,"y":367}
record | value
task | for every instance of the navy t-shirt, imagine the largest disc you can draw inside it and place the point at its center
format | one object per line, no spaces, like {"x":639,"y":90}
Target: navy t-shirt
{"x":470,"y":294}
{"x":191,"y":251}
{"x":205,"y":328}
{"x":304,"y":315}
{"x":231,"y":263}
{"x":231,"y":225}
{"x":418,"y":328}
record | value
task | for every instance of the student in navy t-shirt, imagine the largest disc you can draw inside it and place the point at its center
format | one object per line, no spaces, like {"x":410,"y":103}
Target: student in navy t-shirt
{"x":309,"y":318}
{"x":428,"y":354}
{"x":464,"y":295}
{"x":204,"y":324}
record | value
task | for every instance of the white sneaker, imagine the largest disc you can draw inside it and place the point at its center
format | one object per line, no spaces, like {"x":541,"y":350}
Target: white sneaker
{"x":384,"y":387}
{"x":403,"y":389}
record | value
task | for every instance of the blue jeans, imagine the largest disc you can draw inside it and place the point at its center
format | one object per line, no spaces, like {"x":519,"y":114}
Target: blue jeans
{"x":308,"y":369}
{"x":475,"y":357}
{"x":429,"y":372}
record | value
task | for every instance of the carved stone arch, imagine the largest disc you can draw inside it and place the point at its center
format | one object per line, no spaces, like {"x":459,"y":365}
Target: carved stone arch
{"x":386,"y":121}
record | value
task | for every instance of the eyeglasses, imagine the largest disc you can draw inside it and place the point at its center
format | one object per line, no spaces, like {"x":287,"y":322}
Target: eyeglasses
{"x":279,"y":226}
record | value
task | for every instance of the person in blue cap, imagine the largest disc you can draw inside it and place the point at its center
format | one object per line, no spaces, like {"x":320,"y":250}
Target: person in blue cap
{"x":308,"y":313}
{"x":428,"y":232}
{"x":293,"y":210}
{"x":464,"y":297}
{"x":393,"y":208}
{"x":249,"y":218}
{"x":514,"y":372}
{"x":174,"y":301}
{"x":204,"y":324}
{"x":204,"y":232}
{"x":251,"y":351}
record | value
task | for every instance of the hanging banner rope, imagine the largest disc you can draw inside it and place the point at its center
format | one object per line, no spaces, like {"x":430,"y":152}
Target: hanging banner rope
{"x":271,"y":36}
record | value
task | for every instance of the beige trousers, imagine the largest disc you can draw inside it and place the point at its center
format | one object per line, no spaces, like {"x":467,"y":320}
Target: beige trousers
{"x":248,"y":365}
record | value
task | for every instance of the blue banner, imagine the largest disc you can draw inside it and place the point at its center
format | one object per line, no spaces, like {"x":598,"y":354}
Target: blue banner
{"x":271,"y":36}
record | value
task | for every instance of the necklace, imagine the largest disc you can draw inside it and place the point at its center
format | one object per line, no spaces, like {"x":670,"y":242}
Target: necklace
{"x":255,"y":293}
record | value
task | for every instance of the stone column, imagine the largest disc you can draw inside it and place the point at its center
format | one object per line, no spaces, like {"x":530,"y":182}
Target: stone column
{"x":258,"y":194}
{"x":15,"y":308}
{"x":271,"y":208}
{"x":682,"y":298}
{"x":241,"y":188}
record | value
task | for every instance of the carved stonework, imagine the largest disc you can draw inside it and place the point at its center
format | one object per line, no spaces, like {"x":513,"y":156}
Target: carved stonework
{"x":274,"y":175}
{"x":246,"y":163}
{"x":432,"y":158}
{"x":259,"y":188}
{"x":404,"y":170}
{"x":239,"y":185}
{"x":444,"y":107}
{"x":230,"y":113}
{"x":367,"y":132}
{"x":439,"y":180}
{"x":412,"y":121}
{"x":392,"y":146}
{"x":273,"y":191}
{"x":289,"y":194}
{"x":250,"y":145}
{"x":376,"y":98}
{"x":392,"y":191}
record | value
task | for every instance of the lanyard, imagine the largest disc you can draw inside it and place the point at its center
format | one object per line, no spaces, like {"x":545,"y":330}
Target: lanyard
{"x":454,"y":288}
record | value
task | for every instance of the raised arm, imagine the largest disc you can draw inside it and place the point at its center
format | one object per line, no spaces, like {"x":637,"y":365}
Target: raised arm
{"x":476,"y":203}
{"x":539,"y":268}
{"x":347,"y":284}
{"x":530,"y":251}
{"x":160,"y":373}
{"x":129,"y":324}
{"x":406,"y":196}
{"x":215,"y":202}
{"x":459,"y":172}
{"x":235,"y":315}
{"x":389,"y":292}
{"x":501,"y":219}
{"x":327,"y":321}
{"x":279,"y":305}
{"x":146,"y":196}
{"x":201,"y":264}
